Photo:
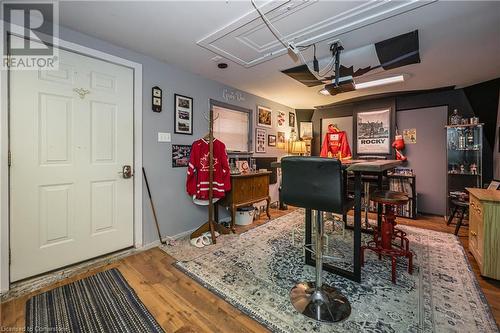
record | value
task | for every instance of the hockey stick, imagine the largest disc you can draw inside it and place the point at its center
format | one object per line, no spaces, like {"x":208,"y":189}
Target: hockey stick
{"x":153,"y":208}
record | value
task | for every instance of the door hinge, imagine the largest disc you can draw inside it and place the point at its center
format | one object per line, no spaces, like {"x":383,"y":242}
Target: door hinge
{"x":9,"y":158}
{"x":9,"y":60}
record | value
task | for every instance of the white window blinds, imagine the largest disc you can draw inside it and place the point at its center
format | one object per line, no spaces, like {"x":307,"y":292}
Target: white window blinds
{"x":232,"y":128}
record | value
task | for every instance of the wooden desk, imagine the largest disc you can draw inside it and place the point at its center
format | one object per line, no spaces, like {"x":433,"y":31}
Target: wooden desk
{"x":247,"y":189}
{"x":484,"y":230}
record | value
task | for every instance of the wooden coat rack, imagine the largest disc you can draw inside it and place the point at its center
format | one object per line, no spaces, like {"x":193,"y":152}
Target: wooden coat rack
{"x":210,"y":225}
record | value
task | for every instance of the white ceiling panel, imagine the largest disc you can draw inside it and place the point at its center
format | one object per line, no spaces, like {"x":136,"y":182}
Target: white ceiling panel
{"x":459,"y":43}
{"x":248,"y":41}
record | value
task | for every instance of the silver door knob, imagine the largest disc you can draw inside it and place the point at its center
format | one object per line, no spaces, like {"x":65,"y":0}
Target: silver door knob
{"x":126,"y":172}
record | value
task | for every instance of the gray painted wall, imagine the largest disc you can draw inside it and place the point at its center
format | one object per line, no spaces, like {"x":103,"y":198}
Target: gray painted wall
{"x":175,"y":210}
{"x":428,"y":156}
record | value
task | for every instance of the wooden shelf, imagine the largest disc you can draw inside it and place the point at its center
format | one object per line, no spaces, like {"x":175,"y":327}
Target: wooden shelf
{"x":465,"y":125}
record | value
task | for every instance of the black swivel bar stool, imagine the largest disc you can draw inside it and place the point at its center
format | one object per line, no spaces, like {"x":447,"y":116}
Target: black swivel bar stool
{"x":316,"y":183}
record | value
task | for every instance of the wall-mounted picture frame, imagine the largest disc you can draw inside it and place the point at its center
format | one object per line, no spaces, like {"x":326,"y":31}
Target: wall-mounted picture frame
{"x":183,"y":114}
{"x":306,"y":130}
{"x":281,"y":137}
{"x":260,"y":140}
{"x":280,"y":119}
{"x":264,"y":116}
{"x":271,"y":140}
{"x":180,"y":155}
{"x":410,"y":135}
{"x":291,"y":119}
{"x":373,"y":132}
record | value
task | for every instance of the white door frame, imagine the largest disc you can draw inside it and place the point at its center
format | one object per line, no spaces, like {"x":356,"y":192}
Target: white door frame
{"x":4,"y":147}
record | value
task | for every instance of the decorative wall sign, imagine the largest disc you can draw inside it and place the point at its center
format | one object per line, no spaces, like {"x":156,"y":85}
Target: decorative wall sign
{"x":183,"y":115}
{"x":306,"y":130}
{"x":260,"y":140}
{"x":180,"y":155}
{"x":410,"y":135}
{"x":156,"y":99}
{"x":280,"y":119}
{"x":373,"y":132}
{"x":232,"y":95}
{"x":291,"y":119}
{"x":271,"y":140}
{"x":264,"y":116}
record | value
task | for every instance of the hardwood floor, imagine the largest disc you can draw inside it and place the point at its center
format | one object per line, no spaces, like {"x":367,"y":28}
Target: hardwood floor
{"x":181,"y":305}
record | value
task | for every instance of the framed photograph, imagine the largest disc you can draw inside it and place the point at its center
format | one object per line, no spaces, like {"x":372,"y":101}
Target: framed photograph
{"x":494,"y":185}
{"x":280,"y":119}
{"x":183,"y":115}
{"x":410,"y":135}
{"x":373,"y":132}
{"x":281,"y":137}
{"x":271,"y":140}
{"x":291,"y":119}
{"x":180,"y":155}
{"x":264,"y":117}
{"x":243,"y":166}
{"x":260,"y":140}
{"x":306,"y":129}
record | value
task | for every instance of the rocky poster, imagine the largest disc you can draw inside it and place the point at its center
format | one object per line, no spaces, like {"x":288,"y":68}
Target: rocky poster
{"x":373,"y":132}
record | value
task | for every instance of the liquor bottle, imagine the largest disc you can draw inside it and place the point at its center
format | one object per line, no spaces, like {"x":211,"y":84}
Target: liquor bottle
{"x":455,"y":118}
{"x":461,"y":140}
{"x":470,"y":138}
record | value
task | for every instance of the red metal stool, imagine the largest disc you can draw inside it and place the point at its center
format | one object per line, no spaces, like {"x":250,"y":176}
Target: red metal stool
{"x":382,"y":239}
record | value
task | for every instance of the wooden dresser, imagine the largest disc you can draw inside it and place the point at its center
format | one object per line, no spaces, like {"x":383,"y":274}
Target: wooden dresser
{"x":484,"y":230}
{"x":247,"y":189}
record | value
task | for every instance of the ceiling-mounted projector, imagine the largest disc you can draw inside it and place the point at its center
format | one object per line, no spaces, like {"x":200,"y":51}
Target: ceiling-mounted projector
{"x":345,"y":84}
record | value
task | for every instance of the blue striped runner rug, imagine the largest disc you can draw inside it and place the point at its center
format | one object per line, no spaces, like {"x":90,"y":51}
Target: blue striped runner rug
{"x":103,"y":302}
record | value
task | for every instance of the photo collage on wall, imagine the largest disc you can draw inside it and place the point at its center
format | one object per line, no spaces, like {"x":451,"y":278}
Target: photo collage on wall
{"x":264,"y":118}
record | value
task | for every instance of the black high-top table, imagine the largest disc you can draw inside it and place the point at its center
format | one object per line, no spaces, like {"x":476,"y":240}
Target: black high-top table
{"x":378,"y":168}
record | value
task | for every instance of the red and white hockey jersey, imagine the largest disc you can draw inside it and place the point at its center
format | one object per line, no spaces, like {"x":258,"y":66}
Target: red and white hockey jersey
{"x":198,"y":170}
{"x":336,"y":144}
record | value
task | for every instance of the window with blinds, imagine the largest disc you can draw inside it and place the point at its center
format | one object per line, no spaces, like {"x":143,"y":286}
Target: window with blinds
{"x":233,"y":128}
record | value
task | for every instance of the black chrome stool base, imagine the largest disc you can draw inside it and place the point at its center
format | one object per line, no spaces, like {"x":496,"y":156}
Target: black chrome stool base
{"x":326,"y":304}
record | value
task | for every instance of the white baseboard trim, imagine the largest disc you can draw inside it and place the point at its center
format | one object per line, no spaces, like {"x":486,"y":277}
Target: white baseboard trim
{"x":26,"y":286}
{"x":166,"y":239}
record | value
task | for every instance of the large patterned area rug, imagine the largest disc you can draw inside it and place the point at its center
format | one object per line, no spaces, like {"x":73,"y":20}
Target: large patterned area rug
{"x":101,"y":303}
{"x":256,"y":271}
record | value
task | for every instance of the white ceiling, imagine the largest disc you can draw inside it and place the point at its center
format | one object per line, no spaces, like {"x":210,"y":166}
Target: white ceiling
{"x":459,"y":42}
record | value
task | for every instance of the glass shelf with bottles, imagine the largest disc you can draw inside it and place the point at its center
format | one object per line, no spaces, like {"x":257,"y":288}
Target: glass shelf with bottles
{"x":465,"y":149}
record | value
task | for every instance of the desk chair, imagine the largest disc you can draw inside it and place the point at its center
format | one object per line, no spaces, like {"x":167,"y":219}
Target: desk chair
{"x":316,"y":183}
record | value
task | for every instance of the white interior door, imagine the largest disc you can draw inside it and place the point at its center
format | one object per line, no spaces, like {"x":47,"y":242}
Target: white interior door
{"x":71,"y":132}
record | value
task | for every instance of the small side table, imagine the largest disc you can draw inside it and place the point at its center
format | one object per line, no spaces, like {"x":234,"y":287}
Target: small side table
{"x":247,"y":189}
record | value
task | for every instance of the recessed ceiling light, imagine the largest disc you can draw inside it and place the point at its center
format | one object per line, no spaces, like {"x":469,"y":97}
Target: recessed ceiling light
{"x":380,"y":82}
{"x":222,"y":65}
